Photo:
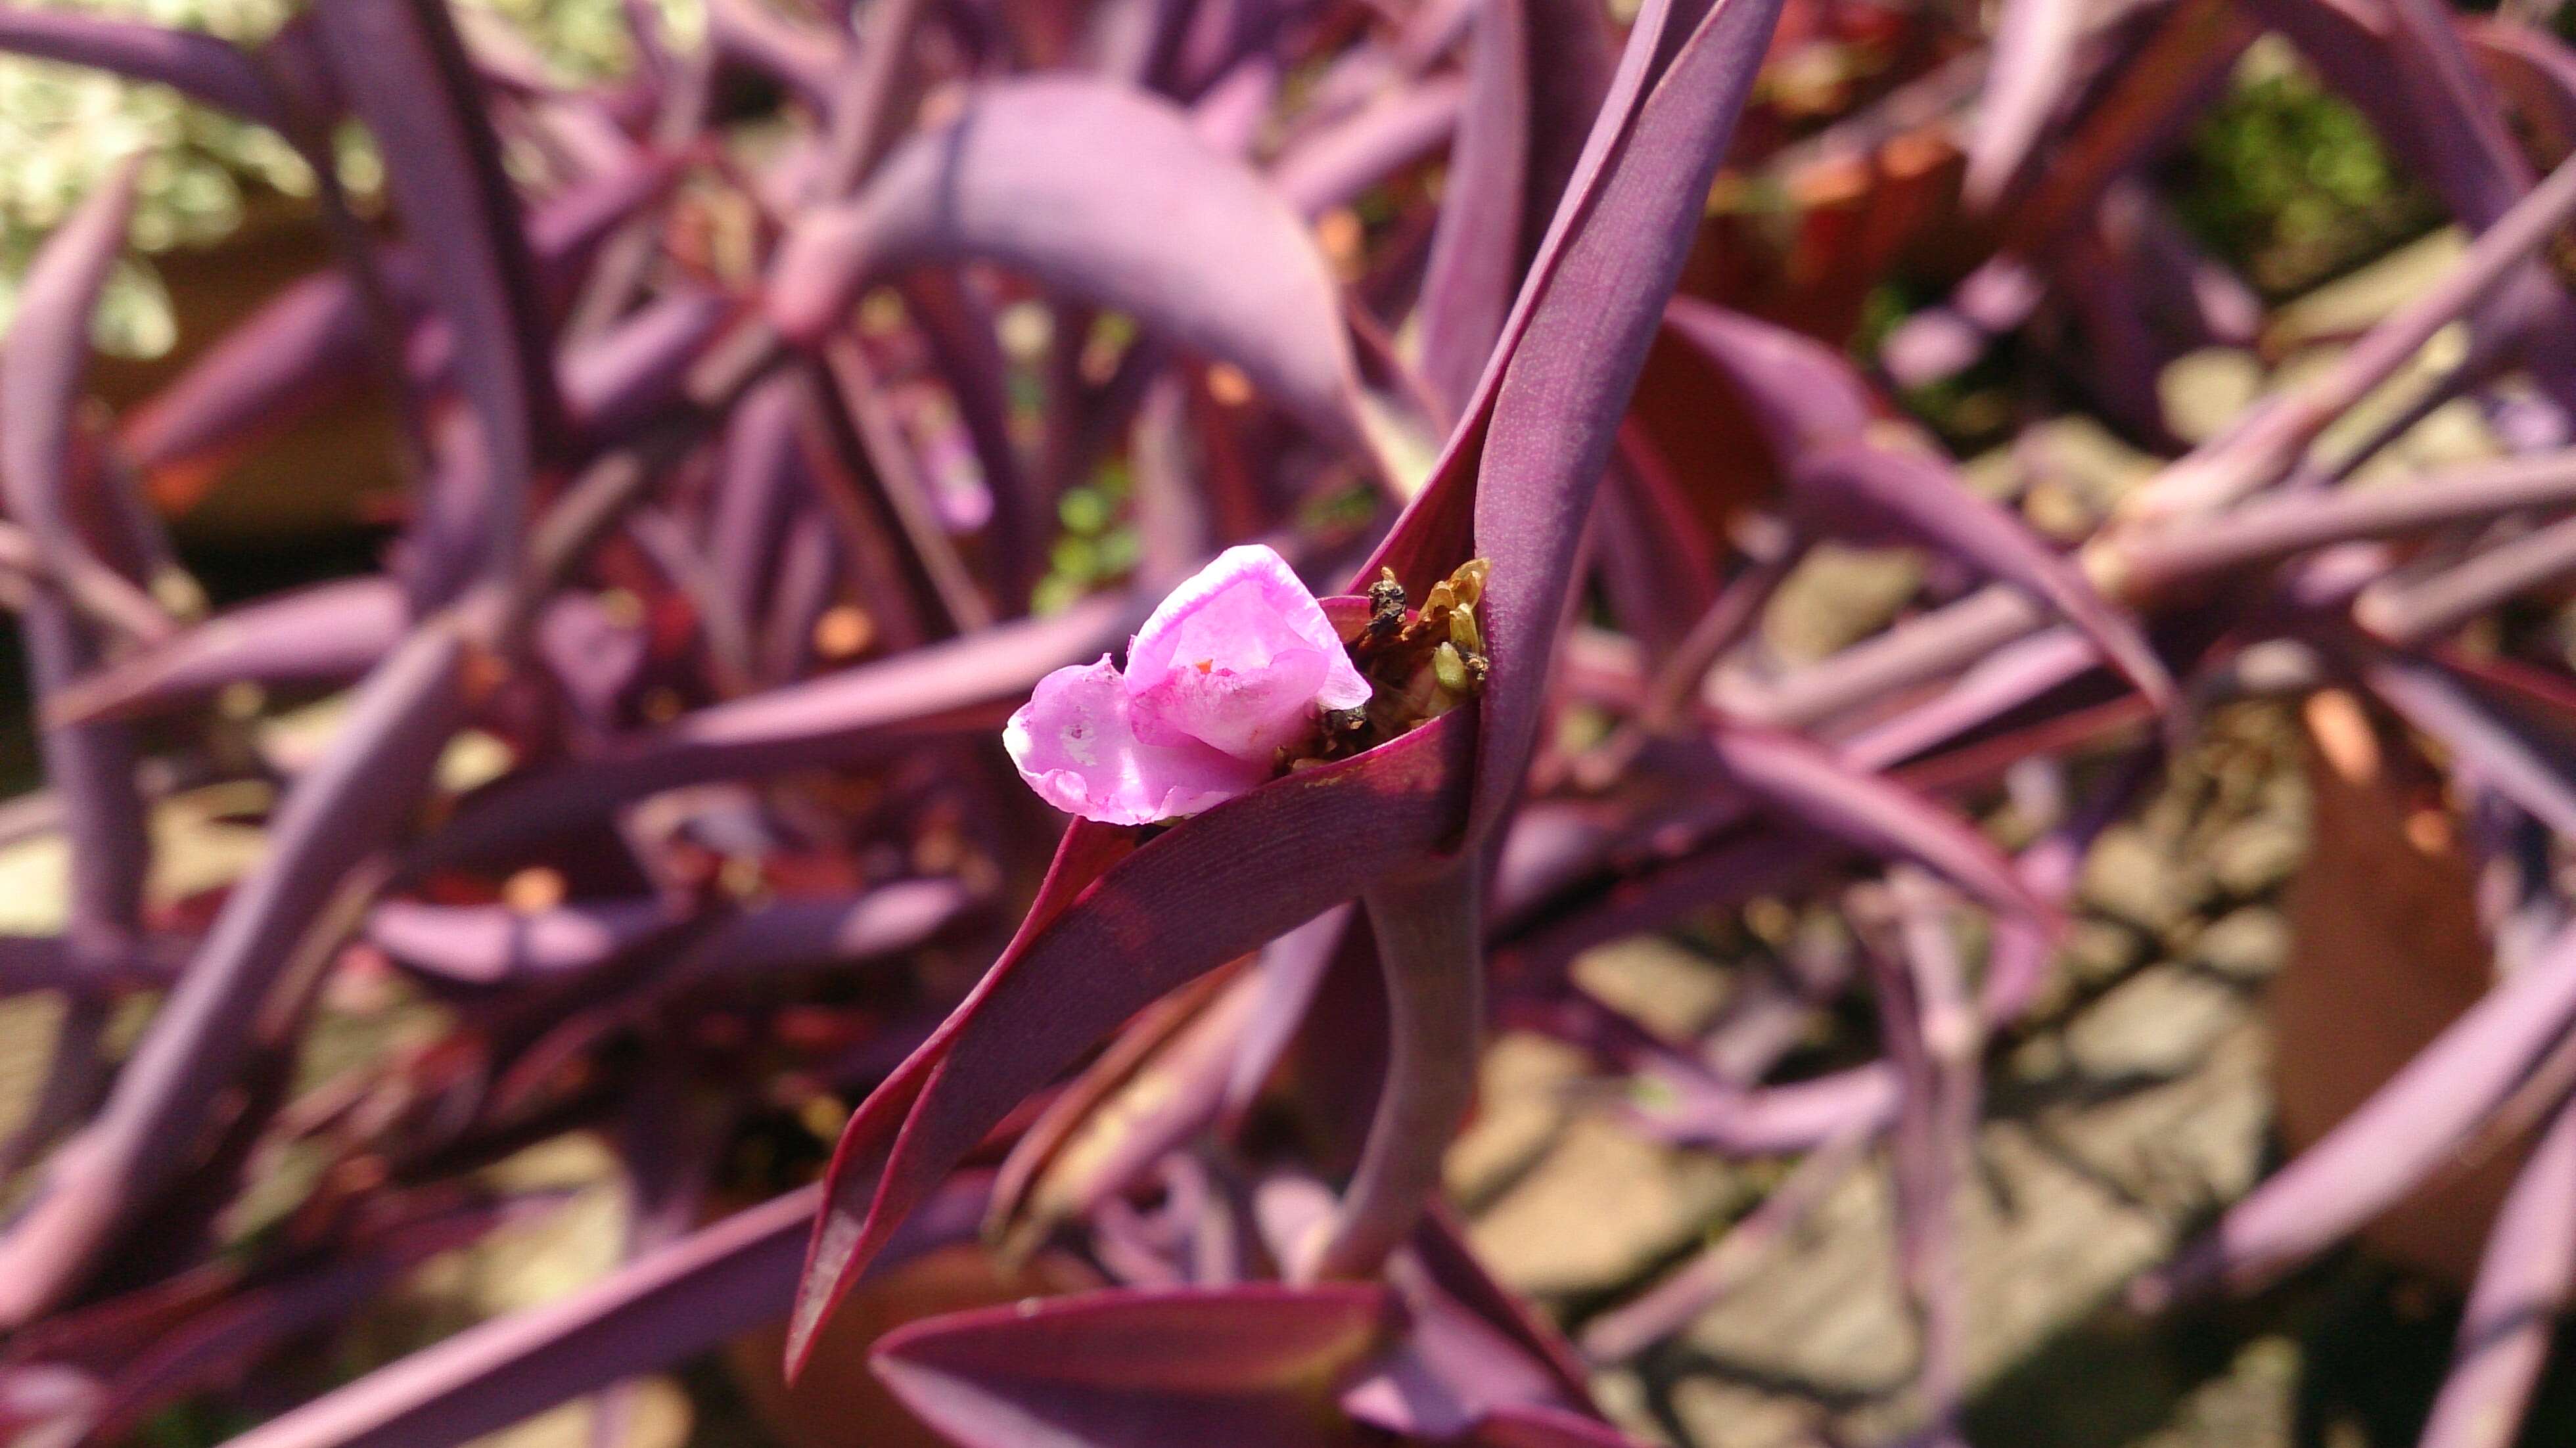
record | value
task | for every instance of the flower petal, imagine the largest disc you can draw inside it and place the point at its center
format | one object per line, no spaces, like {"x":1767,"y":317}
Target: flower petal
{"x":1076,"y":745}
{"x":1239,"y":657}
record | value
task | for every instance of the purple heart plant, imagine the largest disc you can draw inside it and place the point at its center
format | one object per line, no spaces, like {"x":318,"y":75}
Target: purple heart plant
{"x":854,"y":438}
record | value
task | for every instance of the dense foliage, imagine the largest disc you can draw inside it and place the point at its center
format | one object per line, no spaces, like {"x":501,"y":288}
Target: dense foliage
{"x":778,"y":413}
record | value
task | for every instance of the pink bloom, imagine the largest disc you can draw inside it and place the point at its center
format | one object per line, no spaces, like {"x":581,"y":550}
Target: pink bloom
{"x":1075,"y":743}
{"x":1232,"y":667}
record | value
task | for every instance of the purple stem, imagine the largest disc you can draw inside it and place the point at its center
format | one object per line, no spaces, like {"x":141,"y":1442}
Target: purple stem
{"x":906,"y":495}
{"x":2145,"y":562}
{"x":1935,"y":1134}
{"x":1921,"y":648}
{"x":2264,"y":446}
{"x":339,"y":812}
{"x":716,"y":1283}
{"x":2522,"y":1289}
{"x":2408,"y":613}
{"x":866,"y":106}
{"x":1427,"y":931}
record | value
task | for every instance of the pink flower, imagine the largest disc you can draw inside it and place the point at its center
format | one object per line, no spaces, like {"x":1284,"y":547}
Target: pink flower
{"x":1233,"y":666}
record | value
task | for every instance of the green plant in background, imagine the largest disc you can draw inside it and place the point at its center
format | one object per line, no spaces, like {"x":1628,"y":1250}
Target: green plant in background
{"x":62,"y":127}
{"x":2288,"y":182}
{"x":1099,"y":542}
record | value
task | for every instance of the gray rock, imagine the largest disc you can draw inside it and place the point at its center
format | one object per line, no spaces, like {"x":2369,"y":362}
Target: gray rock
{"x":2257,"y":855}
{"x":2244,"y":945}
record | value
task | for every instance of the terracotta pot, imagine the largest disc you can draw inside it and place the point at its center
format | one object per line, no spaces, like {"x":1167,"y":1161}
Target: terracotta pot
{"x":318,"y":477}
{"x":2385,"y":952}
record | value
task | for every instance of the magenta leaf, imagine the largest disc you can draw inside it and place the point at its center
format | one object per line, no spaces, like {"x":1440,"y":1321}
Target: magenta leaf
{"x":1110,"y":197}
{"x":1818,"y":416}
{"x":1809,"y":787}
{"x":308,"y":344}
{"x":967,"y":685}
{"x":2027,"y":76}
{"x":92,"y":766}
{"x":658,"y":1310}
{"x":1548,"y":416}
{"x":2404,"y":1135}
{"x":1475,"y":260}
{"x":342,"y":809}
{"x":407,"y":76}
{"x":1802,"y":395}
{"x":199,"y":66}
{"x":2524,"y":1283}
{"x":1337,"y":163}
{"x":1124,"y":935}
{"x":330,"y":633}
{"x":1250,"y":1365}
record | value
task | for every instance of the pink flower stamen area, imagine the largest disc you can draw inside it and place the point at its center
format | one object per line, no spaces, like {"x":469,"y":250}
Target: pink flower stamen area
{"x":1234,"y":666}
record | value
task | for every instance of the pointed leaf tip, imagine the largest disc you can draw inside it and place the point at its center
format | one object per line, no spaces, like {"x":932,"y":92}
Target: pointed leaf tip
{"x":1250,"y":1366}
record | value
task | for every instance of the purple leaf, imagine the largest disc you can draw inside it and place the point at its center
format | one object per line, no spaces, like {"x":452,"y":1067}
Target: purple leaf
{"x":1547,"y":417}
{"x":631,"y":372}
{"x":2263,"y":446}
{"x":1111,"y":1126}
{"x":199,"y":66}
{"x":1475,"y":246}
{"x":1933,"y":1039}
{"x":91,"y":767}
{"x":267,"y":1313}
{"x":1802,"y":395}
{"x":760,"y":478}
{"x":330,"y":633}
{"x":1809,"y":787}
{"x":654,"y":1312}
{"x":1538,"y":1426}
{"x":407,"y":77}
{"x":1930,"y":645}
{"x":1450,"y":1264}
{"x":46,"y":358}
{"x":1771,"y":1120}
{"x":1291,"y":970}
{"x":2027,"y":75}
{"x":494,"y":944}
{"x":1333,"y":166}
{"x":2486,"y":745}
{"x":1919,"y":497}
{"x":882,"y":923}
{"x":1428,"y":929}
{"x":2407,"y":611}
{"x":1448,"y":1371}
{"x":1108,"y":196}
{"x":805,"y":58}
{"x":340,"y":810}
{"x":1818,"y":414}
{"x":968,"y":684}
{"x":1727,"y":1263}
{"x":1246,"y":1366}
{"x":296,"y":352}
{"x":2147,"y":561}
{"x":306,"y":345}
{"x":959,"y":328}
{"x":874,"y":86}
{"x":1280,"y":854}
{"x":2523,"y":1287}
{"x":2409,"y":1130}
